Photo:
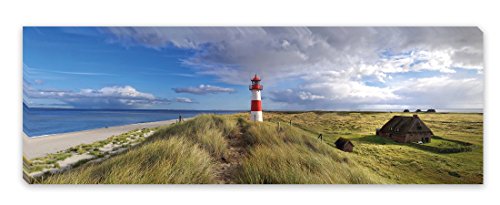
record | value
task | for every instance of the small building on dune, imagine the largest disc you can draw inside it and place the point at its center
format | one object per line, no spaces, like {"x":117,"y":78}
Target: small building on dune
{"x":405,"y":129}
{"x":344,"y":144}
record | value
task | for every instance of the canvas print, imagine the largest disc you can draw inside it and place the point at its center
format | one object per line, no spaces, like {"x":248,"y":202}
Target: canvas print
{"x":253,"y":105}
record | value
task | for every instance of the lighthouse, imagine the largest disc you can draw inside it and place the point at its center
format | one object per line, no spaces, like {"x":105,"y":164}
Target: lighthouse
{"x":256,"y":106}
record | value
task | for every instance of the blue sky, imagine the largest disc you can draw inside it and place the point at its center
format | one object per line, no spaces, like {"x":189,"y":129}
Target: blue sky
{"x":209,"y":68}
{"x":68,"y":61}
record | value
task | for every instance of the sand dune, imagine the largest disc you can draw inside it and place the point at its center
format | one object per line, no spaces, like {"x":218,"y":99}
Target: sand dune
{"x":40,"y":146}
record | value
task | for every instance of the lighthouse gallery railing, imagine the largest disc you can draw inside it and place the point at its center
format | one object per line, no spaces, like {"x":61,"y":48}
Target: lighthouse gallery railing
{"x":255,"y":87}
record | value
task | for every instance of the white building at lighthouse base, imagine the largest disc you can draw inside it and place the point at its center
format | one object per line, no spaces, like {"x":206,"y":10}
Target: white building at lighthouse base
{"x":256,"y":116}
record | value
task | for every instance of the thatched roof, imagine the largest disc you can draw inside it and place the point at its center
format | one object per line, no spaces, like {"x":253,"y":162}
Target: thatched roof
{"x":405,"y":124}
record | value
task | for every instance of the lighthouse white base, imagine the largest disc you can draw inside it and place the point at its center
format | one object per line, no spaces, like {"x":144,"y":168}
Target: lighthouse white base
{"x":256,"y":116}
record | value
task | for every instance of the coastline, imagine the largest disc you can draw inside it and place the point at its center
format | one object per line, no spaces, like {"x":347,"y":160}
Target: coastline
{"x":39,"y":146}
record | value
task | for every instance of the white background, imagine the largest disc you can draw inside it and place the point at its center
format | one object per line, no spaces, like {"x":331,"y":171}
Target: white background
{"x":235,"y":13}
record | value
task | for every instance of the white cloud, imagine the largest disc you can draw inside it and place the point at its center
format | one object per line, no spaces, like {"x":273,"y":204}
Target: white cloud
{"x":30,"y":70}
{"x":232,"y":54}
{"x":433,"y":92}
{"x":125,"y":92}
{"x":309,"y":96}
{"x":332,"y":63}
{"x":107,"y":97}
{"x":335,"y":93}
{"x":184,"y":100}
{"x":442,"y":91}
{"x":203,"y":89}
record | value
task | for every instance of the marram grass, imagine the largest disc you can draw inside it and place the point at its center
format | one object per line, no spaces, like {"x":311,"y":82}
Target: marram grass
{"x":192,"y":152}
{"x":178,"y":154}
{"x":171,"y":161}
{"x":290,"y":155}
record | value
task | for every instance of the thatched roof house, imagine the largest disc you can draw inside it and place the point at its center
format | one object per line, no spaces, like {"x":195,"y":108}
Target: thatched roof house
{"x":406,"y":129}
{"x":344,"y":144}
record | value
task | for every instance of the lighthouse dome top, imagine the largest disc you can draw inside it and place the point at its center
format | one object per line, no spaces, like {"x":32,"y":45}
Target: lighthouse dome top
{"x":255,"y":78}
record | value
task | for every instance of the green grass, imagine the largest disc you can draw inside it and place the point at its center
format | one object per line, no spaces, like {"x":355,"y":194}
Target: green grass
{"x":294,"y":156}
{"x":51,"y":161}
{"x":163,"y":161}
{"x":442,"y":145}
{"x":47,"y":162}
{"x":456,"y":156}
{"x":178,"y":154}
{"x":207,"y":131}
{"x":192,"y":152}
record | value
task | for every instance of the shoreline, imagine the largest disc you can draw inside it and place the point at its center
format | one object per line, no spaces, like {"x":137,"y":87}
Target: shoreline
{"x":100,"y":128}
{"x":39,"y":146}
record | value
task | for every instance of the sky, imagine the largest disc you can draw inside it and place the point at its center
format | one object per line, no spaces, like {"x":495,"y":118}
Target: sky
{"x":302,"y":68}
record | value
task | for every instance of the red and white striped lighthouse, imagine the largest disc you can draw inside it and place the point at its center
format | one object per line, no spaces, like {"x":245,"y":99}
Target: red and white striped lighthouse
{"x":256,"y":108}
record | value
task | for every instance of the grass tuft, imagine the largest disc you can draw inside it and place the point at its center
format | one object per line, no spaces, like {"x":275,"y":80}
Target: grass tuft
{"x":183,"y":153}
{"x":195,"y":150}
{"x":294,"y":156}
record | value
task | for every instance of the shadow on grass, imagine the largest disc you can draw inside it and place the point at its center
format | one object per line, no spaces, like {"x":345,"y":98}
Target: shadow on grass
{"x":455,"y":141}
{"x":374,"y":139}
{"x":453,"y":146}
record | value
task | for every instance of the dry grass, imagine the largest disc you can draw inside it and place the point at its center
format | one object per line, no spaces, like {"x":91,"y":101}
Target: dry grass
{"x":456,"y":156}
{"x":290,"y":155}
{"x":293,"y":156}
{"x":162,"y":161}
{"x":190,"y":152}
{"x":182,"y":153}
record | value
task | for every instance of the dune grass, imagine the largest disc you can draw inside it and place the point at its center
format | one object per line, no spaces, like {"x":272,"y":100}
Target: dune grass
{"x":455,"y":156}
{"x":189,"y":152}
{"x":182,"y":153}
{"x":207,"y":131}
{"x":289,"y":155}
{"x":51,"y":161}
{"x":162,"y":161}
{"x":193,"y":152}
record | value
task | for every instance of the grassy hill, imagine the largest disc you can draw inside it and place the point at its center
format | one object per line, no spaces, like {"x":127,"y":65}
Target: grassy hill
{"x":230,"y":149}
{"x":454,"y":156}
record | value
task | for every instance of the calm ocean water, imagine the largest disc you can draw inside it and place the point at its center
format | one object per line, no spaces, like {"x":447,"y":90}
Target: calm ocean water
{"x":44,"y":121}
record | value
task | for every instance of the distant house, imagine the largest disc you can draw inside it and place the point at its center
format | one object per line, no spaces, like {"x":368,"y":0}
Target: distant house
{"x":431,"y":110}
{"x":406,"y":110}
{"x":344,"y":144}
{"x":405,"y":129}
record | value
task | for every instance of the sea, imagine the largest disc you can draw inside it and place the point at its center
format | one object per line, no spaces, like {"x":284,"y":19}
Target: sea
{"x":39,"y":122}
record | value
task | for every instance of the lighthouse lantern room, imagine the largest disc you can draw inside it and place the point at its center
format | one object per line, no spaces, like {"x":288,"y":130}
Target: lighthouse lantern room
{"x":256,"y":106}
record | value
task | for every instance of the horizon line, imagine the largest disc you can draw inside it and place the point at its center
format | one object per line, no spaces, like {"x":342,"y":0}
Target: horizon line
{"x":449,"y":110}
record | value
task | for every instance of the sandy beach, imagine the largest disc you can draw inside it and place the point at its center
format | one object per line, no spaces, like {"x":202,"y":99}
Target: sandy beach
{"x":40,"y":146}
